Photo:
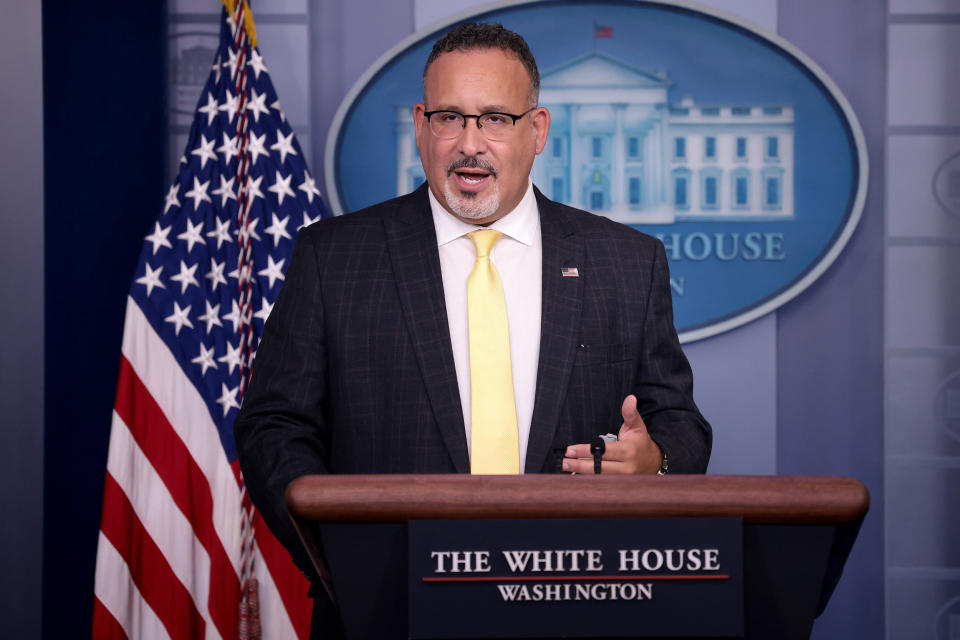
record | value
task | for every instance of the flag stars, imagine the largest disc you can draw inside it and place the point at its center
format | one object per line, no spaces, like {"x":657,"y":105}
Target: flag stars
{"x":274,"y":270}
{"x":281,"y":187}
{"x":192,"y":235}
{"x":257,"y":104}
{"x":210,"y":109}
{"x":250,"y":232}
{"x":171,"y":199}
{"x":205,"y":150}
{"x":210,"y":316}
{"x":256,"y":63}
{"x":241,"y":277}
{"x":215,"y":274}
{"x":225,"y":191}
{"x":231,"y":64}
{"x":186,"y":277}
{"x":199,"y":193}
{"x":179,"y":318}
{"x":278,"y":229}
{"x":309,"y":187}
{"x":228,"y":398}
{"x":151,"y":279}
{"x":159,"y":237}
{"x":265,"y":309}
{"x":232,"y":358}
{"x":232,"y":22}
{"x":205,"y":359}
{"x":222,"y":232}
{"x":216,"y":70}
{"x":253,"y":188}
{"x":283,"y":146}
{"x":307,"y":221}
{"x":228,"y":148}
{"x":234,"y":316}
{"x":231,"y":105}
{"x":257,"y":272}
{"x":255,"y":147}
{"x":276,"y":105}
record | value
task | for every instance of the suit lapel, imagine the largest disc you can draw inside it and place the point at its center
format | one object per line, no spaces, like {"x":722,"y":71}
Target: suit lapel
{"x":412,"y":243}
{"x":560,"y":325}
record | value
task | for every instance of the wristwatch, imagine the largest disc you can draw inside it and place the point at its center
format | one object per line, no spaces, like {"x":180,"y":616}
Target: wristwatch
{"x":664,"y":467}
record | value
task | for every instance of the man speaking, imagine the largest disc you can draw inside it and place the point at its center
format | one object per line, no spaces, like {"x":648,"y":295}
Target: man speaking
{"x":472,"y":326}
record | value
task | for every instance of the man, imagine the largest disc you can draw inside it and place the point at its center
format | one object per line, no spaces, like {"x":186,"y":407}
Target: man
{"x":369,"y":360}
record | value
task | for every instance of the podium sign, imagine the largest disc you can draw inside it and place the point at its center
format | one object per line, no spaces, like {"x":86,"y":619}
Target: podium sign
{"x":582,"y":578}
{"x":375,"y":539}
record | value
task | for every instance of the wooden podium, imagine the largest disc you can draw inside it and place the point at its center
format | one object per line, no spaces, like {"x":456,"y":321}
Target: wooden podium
{"x":797,"y":532}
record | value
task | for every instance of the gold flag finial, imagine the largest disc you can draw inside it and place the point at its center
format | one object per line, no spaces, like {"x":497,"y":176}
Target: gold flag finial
{"x":248,"y":25}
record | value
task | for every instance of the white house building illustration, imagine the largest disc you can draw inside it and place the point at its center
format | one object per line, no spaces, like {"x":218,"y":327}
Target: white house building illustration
{"x":616,"y":147}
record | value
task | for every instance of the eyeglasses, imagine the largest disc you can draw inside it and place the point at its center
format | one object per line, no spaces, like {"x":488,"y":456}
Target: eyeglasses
{"x":494,"y":125}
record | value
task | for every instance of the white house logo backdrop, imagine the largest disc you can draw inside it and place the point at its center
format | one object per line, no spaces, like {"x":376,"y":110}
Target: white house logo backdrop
{"x":722,"y":140}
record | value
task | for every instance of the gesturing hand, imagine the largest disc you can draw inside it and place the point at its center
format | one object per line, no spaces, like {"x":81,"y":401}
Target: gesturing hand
{"x":634,"y":452}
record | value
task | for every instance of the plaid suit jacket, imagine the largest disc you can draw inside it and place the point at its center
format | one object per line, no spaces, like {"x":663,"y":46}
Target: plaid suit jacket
{"x":355,"y":371}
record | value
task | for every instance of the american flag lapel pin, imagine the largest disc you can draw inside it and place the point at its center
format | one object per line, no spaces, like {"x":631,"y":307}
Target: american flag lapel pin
{"x":570,"y":272}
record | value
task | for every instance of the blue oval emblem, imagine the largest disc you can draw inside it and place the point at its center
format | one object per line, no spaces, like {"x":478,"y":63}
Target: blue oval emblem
{"x":721,"y":139}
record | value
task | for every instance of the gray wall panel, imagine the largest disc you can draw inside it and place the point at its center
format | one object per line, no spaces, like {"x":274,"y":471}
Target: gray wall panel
{"x":923,"y":605}
{"x":346,"y":38}
{"x":21,"y":323}
{"x":924,"y":86}
{"x":830,"y":344}
{"x":918,"y":313}
{"x":922,"y":405}
{"x":735,"y":386}
{"x":923,"y":192}
{"x":921,"y":491}
{"x":922,"y":421}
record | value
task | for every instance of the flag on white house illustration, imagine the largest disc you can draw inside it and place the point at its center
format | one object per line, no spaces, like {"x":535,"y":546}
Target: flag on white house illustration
{"x":181,"y":552}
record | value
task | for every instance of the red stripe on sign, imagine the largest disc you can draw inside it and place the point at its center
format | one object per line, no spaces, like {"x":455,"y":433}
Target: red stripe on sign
{"x":291,"y":584}
{"x":105,"y":626}
{"x":151,"y":572}
{"x":575,"y":578}
{"x":188,"y":486}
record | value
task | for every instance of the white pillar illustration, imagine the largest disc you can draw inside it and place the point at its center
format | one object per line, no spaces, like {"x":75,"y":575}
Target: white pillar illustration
{"x":576,"y":160}
{"x":618,"y":196}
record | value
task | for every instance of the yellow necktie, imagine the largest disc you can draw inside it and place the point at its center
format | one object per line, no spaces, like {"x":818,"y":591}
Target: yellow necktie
{"x":494,"y":442}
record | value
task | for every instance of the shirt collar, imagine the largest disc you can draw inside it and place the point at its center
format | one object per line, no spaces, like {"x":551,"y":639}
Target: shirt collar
{"x":521,"y":224}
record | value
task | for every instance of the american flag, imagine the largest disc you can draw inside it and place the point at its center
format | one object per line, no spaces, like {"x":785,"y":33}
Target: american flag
{"x":602,"y":31}
{"x":182,"y":553}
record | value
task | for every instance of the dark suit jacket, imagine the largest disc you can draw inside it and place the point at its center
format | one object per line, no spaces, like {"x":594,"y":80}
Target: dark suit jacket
{"x":355,"y":371}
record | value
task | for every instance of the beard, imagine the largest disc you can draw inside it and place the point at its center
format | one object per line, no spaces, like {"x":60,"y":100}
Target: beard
{"x":472,"y":206}
{"x":468,"y":204}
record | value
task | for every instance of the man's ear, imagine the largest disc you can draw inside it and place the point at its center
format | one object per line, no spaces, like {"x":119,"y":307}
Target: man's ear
{"x":418,"y":120}
{"x":540,"y":118}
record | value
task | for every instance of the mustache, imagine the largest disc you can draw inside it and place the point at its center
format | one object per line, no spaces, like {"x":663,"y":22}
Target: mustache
{"x":472,"y":162}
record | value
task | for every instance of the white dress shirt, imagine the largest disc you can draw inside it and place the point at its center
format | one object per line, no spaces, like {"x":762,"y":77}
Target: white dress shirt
{"x":518,"y":258}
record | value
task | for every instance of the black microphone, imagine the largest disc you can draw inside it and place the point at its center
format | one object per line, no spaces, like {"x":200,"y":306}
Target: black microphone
{"x":597,"y":448}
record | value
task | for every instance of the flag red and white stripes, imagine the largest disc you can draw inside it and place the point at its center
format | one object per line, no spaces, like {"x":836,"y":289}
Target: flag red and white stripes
{"x":168,"y":558}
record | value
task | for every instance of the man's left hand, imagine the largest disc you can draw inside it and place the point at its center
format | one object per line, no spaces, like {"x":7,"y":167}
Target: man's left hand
{"x":633,"y":452}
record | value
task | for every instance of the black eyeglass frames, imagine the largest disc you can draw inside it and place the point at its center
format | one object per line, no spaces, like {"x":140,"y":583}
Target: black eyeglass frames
{"x":494,"y":125}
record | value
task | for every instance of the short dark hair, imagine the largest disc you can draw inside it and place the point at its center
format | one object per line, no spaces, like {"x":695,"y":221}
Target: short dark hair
{"x":488,"y":35}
